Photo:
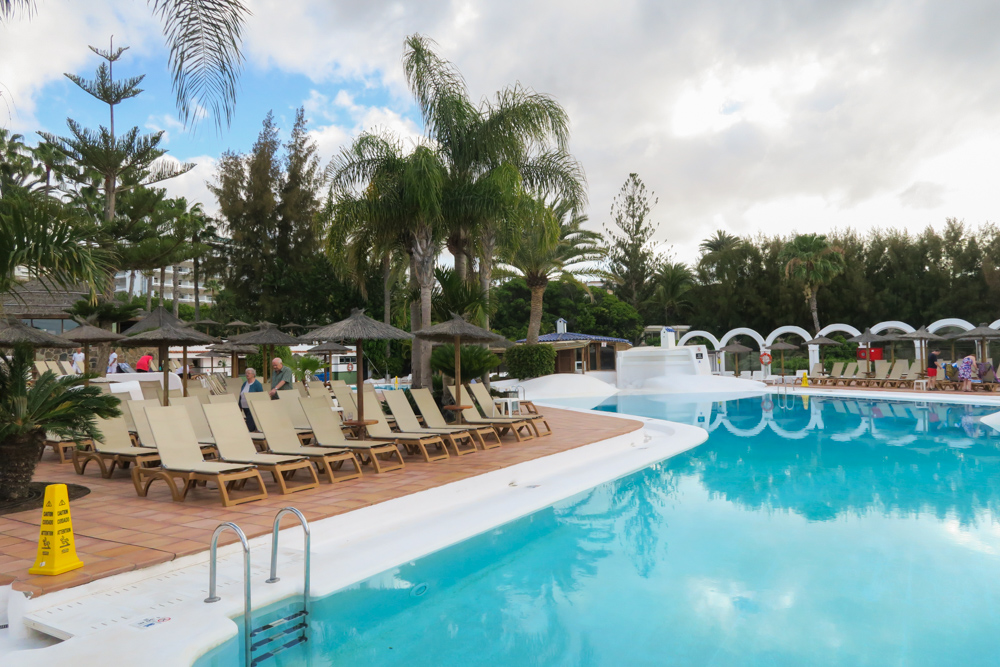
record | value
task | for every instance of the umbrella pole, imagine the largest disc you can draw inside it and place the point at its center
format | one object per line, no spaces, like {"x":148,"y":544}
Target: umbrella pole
{"x":232,"y":371}
{"x":184,"y":373}
{"x":359,"y":383}
{"x":165,"y":365}
{"x":329,"y":369}
{"x":782,"y":365}
{"x":86,"y":364}
{"x":737,"y":355}
{"x":458,"y":378}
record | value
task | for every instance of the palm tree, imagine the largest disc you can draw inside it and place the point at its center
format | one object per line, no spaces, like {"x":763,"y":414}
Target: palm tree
{"x":60,"y":406}
{"x":552,"y":245}
{"x":672,"y":293}
{"x":391,"y":194}
{"x":46,"y":239}
{"x":517,"y":140}
{"x":811,"y":259}
{"x":204,"y":41}
{"x":459,"y":296}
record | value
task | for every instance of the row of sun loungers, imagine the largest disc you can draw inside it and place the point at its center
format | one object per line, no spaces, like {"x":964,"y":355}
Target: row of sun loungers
{"x":884,"y":375}
{"x":203,"y":438}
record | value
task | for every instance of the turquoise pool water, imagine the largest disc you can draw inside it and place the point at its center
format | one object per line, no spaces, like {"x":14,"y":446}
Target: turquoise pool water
{"x":826,"y":532}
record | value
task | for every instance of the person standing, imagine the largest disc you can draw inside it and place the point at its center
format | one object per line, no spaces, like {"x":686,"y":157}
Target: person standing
{"x":965,"y":372}
{"x":281,"y":378}
{"x":112,"y":362}
{"x":932,"y":369}
{"x":78,"y":360}
{"x":250,"y":386}
{"x":142,"y":366}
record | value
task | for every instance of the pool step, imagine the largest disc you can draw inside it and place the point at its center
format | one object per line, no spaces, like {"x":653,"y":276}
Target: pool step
{"x":270,"y":654}
{"x":280,"y":621}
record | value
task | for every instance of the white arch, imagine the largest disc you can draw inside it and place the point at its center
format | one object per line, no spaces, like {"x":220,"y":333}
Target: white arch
{"x":743,"y":331}
{"x":843,"y":328}
{"x":788,"y":329}
{"x":745,"y":433}
{"x":950,"y":322}
{"x":995,"y":325}
{"x":699,"y":334}
{"x":892,"y":324}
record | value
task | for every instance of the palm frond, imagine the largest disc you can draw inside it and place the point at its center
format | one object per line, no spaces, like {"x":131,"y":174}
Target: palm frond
{"x":11,"y":9}
{"x":204,"y":38}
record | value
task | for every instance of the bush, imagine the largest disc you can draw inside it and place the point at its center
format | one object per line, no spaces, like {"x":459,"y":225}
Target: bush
{"x":475,"y":360}
{"x":257,"y":361}
{"x":530,"y":361}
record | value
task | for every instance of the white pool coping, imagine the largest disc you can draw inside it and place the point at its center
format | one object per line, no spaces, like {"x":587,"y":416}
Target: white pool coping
{"x":100,"y":620}
{"x":882,"y":395}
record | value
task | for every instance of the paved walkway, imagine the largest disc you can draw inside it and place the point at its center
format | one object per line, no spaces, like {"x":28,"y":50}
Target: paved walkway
{"x":116,"y":531}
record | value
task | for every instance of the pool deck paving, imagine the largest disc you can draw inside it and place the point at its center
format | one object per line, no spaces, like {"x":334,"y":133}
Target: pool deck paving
{"x":117,"y":531}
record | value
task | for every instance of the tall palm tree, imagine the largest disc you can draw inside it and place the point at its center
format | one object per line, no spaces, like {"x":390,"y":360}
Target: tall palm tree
{"x":519,"y":139}
{"x":204,"y":41}
{"x":390,"y":192}
{"x":814,"y":261}
{"x":672,"y":293}
{"x":553,"y":245}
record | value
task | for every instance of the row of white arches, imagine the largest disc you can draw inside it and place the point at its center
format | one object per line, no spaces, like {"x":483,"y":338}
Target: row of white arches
{"x":764,"y":343}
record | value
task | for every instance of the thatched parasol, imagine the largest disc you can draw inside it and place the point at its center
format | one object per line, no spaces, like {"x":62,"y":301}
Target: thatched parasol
{"x":454,"y":330}
{"x":328,"y":349}
{"x":983,"y":333}
{"x":358,"y":327}
{"x":15,"y":332}
{"x":163,"y":338}
{"x":156,"y":319}
{"x":234,"y":349}
{"x":87,"y":334}
{"x":291,"y":325}
{"x":207,"y":322}
{"x":238,"y":324}
{"x":822,"y":341}
{"x":267,"y":337}
{"x":737,"y":349}
{"x":310,"y":327}
{"x":264,"y":324}
{"x":866,"y":339}
{"x":922,"y":336}
{"x":212,"y":355}
{"x":782,"y":346}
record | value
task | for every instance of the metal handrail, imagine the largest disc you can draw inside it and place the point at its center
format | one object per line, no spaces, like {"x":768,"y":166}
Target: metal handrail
{"x":212,"y":597}
{"x":274,"y":551}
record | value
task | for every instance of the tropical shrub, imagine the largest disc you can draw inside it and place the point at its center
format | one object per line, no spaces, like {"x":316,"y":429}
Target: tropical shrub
{"x":476,"y":360}
{"x":530,"y":361}
{"x":61,"y":406}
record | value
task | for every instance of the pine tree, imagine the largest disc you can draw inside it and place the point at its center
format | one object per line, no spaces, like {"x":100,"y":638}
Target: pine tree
{"x":632,"y":260}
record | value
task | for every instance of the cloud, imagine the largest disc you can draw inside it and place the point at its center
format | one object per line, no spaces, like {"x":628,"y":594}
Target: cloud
{"x":922,"y":195}
{"x":351,"y":119}
{"x":193,"y":185}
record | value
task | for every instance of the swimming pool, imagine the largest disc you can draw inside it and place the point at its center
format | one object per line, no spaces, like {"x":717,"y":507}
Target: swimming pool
{"x":821,"y":532}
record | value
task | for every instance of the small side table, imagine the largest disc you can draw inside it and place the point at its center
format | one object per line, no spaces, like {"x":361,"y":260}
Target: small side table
{"x":457,"y":409}
{"x":358,"y":427}
{"x":508,"y":405}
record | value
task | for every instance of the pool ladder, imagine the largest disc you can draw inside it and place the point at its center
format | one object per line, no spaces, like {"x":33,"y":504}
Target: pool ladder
{"x":258,"y":639}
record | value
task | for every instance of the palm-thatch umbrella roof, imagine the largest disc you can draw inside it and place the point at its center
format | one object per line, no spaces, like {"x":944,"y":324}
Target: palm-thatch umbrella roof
{"x":920,"y":334}
{"x":782,"y":346}
{"x":238,"y":324}
{"x":163,"y":337}
{"x":455,"y":330}
{"x":291,"y":325}
{"x":821,"y":340}
{"x":234,"y":348}
{"x":267,"y":336}
{"x":156,"y":319}
{"x":15,"y":332}
{"x":736,"y":348}
{"x":207,"y":322}
{"x":359,"y":326}
{"x":263,"y":324}
{"x":329,"y":348}
{"x":502,"y":344}
{"x":978,"y":333}
{"x":87,"y":333}
{"x":310,"y":327}
{"x":867,"y":338}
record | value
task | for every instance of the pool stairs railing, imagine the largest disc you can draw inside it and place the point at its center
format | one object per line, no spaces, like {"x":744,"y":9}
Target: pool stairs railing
{"x":260,"y":638}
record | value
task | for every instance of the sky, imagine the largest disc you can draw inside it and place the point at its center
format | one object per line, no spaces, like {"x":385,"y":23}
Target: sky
{"x":744,"y":115}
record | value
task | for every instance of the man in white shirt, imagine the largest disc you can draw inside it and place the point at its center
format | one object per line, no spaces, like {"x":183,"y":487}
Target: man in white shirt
{"x":78,"y":360}
{"x":113,"y":362}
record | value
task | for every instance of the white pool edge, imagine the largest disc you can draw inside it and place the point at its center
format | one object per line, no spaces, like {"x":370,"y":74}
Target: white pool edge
{"x":100,"y":616}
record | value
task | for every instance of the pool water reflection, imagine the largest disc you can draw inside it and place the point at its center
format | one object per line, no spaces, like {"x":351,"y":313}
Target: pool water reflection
{"x":818,"y":532}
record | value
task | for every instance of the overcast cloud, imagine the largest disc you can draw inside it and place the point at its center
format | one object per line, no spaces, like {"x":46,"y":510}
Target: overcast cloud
{"x":746,"y":115}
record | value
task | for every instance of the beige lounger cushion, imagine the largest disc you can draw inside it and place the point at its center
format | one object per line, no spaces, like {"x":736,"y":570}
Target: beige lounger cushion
{"x":232,"y":439}
{"x":177,"y":445}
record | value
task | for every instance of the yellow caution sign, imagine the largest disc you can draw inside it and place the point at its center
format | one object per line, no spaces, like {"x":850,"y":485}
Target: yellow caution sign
{"x":56,"y":546}
{"x":805,"y":379}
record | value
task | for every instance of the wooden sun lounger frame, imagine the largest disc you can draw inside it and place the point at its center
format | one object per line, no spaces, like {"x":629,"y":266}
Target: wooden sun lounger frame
{"x":453,"y":436}
{"x":413,"y":442}
{"x":535,"y":418}
{"x":113,"y":457}
{"x":426,"y":402}
{"x":502,"y":426}
{"x":366,"y":451}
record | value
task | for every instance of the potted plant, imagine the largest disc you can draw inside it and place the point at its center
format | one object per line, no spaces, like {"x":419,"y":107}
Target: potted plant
{"x":60,"y":406}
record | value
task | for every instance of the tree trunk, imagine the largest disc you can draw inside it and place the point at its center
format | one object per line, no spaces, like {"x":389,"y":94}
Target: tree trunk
{"x":18,"y":456}
{"x":387,"y":300}
{"x":149,"y":292}
{"x":131,"y":284}
{"x":485,"y":283}
{"x":813,"y":308}
{"x":175,"y":290}
{"x":535,"y":319}
{"x":424,"y":251}
{"x":456,"y":246}
{"x":197,"y":297}
{"x":163,"y":280}
{"x":418,"y":380}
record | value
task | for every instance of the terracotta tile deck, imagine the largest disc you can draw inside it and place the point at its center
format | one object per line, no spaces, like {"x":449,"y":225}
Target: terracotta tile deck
{"x":117,"y":531}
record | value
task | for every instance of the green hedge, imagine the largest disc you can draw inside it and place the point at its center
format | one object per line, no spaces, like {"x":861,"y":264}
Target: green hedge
{"x":530,"y":361}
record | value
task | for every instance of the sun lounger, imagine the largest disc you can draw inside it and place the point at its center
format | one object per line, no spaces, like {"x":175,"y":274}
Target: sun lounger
{"x":413,"y":441}
{"x":150,"y":389}
{"x":434,"y":419}
{"x":41,"y":368}
{"x":235,"y":445}
{"x":113,"y":449}
{"x":301,"y":389}
{"x":201,"y":392}
{"x":896,"y":375}
{"x":181,"y":461}
{"x":835,"y":373}
{"x":407,"y":420}
{"x":849,"y":375}
{"x":502,"y":424}
{"x":289,"y":400}
{"x":488,"y":407}
{"x":328,"y":431}
{"x":282,"y":438}
{"x":142,"y":430}
{"x":196,"y":414}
